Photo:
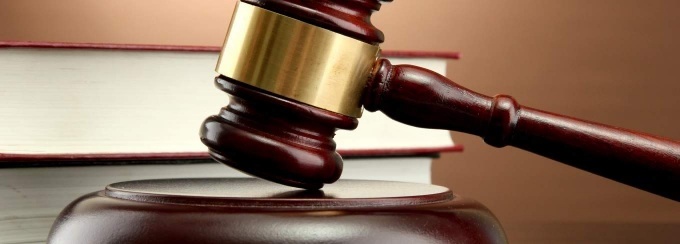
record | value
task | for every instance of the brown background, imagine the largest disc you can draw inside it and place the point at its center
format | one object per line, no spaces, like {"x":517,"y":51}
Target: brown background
{"x":612,"y":61}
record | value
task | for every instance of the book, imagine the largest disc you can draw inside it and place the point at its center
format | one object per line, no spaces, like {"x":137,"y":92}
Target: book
{"x":66,"y":102}
{"x":77,"y":117}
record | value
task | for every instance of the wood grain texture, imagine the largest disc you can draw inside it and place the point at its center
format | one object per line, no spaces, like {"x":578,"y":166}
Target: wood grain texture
{"x":644,"y":161}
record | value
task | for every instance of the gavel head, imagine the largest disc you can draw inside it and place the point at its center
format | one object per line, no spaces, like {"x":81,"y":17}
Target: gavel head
{"x":296,"y":71}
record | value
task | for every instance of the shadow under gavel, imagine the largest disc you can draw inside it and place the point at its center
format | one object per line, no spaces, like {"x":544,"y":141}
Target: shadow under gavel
{"x":290,"y":92}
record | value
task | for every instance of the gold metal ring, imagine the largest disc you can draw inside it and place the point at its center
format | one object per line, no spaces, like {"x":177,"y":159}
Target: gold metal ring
{"x":296,"y":60}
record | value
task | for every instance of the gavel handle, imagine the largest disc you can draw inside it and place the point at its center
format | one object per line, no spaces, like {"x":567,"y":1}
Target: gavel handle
{"x":423,"y":98}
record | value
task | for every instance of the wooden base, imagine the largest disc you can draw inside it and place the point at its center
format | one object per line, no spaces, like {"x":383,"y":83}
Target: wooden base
{"x":214,"y":210}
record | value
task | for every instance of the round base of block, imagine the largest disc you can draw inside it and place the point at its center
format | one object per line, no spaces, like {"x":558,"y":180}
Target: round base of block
{"x":248,"y":210}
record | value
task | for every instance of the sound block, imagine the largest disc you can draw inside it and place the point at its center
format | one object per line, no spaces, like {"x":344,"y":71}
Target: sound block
{"x":249,"y":210}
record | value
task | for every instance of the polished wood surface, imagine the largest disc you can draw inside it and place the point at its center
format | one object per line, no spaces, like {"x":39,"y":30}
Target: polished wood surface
{"x":348,"y":17}
{"x":644,"y":161}
{"x":279,"y":139}
{"x":214,"y":210}
{"x":588,"y":62}
{"x":275,"y":138}
{"x":256,"y":193}
{"x":422,"y":98}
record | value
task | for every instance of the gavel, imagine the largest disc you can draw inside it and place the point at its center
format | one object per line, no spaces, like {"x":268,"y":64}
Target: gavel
{"x":299,"y":70}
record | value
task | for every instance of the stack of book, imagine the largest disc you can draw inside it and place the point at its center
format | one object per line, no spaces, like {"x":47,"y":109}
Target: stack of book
{"x":77,"y":117}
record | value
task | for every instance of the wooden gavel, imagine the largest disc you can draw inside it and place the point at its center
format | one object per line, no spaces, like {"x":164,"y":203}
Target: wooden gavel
{"x":298,"y":70}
